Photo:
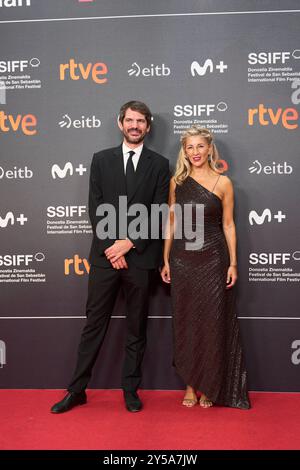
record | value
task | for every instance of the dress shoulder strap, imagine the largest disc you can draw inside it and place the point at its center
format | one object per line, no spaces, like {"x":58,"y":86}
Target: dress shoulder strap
{"x":215,"y":184}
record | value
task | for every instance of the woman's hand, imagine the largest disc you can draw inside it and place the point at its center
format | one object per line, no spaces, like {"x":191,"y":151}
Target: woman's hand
{"x":231,"y":277}
{"x":165,"y":273}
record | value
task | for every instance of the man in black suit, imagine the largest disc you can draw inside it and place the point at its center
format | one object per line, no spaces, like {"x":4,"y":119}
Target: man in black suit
{"x":142,"y":175}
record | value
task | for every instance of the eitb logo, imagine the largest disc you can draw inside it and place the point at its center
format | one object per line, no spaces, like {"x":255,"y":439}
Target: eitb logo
{"x":2,"y":354}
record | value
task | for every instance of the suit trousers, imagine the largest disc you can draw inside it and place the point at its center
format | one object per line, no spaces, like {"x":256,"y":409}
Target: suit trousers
{"x":103,"y":288}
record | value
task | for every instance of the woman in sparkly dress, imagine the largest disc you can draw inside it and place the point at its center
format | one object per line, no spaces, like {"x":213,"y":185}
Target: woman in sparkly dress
{"x":207,"y":348}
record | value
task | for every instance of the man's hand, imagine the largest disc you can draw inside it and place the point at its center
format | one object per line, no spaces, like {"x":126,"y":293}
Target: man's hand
{"x":120,"y":263}
{"x":118,"y":249}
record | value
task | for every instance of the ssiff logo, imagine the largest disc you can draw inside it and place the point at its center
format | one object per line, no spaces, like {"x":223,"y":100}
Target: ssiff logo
{"x":12,"y":66}
{"x":273,"y":258}
{"x":197,"y":110}
{"x":2,"y":354}
{"x":97,"y":72}
{"x":21,"y":259}
{"x":57,"y":171}
{"x":272,"y":58}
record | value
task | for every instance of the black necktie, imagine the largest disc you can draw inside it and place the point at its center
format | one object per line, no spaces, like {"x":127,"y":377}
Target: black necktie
{"x":130,"y":173}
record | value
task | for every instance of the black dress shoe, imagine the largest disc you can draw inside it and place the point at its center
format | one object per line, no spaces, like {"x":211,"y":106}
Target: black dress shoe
{"x":69,"y":401}
{"x":132,"y":401}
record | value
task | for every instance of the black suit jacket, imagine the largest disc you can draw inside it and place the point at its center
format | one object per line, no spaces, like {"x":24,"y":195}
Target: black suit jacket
{"x":107,"y":183}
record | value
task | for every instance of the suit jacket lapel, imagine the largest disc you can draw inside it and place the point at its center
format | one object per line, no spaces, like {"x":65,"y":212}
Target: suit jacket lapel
{"x":119,"y":175}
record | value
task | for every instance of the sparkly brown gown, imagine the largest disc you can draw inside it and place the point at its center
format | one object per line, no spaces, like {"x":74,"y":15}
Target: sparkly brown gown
{"x":207,"y":348}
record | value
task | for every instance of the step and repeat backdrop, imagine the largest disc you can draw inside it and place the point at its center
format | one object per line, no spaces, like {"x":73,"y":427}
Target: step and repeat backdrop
{"x":66,"y":67}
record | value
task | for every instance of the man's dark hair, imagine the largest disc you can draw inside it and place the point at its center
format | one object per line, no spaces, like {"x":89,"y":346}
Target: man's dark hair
{"x":136,"y":106}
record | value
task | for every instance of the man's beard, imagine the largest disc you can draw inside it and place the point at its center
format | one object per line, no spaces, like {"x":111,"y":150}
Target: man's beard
{"x":134,"y":140}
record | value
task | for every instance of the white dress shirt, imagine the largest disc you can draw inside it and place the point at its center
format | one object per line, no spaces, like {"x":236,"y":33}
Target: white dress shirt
{"x":135,"y":159}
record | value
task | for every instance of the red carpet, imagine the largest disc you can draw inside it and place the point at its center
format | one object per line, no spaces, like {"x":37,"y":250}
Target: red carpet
{"x":103,"y":423}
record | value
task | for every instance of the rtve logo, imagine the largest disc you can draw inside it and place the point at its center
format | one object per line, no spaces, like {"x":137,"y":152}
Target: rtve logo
{"x":77,"y":265}
{"x":10,"y":219}
{"x":68,"y":169}
{"x":26,"y":124}
{"x":15,"y":3}
{"x":96,"y":72}
{"x":287,"y":117}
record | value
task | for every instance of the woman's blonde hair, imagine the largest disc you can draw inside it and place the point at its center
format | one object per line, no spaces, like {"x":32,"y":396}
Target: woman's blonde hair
{"x":183,"y":166}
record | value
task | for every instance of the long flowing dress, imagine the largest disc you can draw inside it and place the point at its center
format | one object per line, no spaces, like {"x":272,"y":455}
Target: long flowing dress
{"x":207,"y":348}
